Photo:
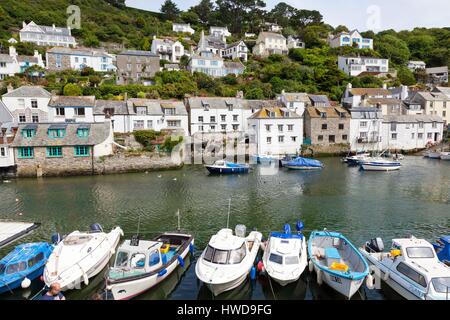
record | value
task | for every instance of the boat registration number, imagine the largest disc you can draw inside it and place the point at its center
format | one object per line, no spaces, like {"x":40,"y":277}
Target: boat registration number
{"x":336,"y":279}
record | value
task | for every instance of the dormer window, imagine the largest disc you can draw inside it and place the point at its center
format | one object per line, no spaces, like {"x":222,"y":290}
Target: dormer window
{"x":82,"y":132}
{"x":57,"y":131}
{"x":206,"y":106}
{"x":169,"y":111}
{"x":141,"y":111}
{"x":271,"y":114}
{"x":323,"y":114}
{"x":28,"y":133}
{"x":230,"y":106}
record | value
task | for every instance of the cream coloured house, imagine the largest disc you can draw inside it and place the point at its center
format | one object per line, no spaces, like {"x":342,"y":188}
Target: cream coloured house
{"x":269,"y":43}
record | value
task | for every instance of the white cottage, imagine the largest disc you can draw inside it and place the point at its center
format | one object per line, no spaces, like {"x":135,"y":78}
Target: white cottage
{"x":354,"y":66}
{"x":365,"y":129}
{"x":410,"y":132}
{"x":28,"y":103}
{"x":46,"y":35}
{"x":269,"y":43}
{"x":352,"y":38}
{"x":276,"y":131}
{"x":71,"y":109}
{"x":168,"y":49}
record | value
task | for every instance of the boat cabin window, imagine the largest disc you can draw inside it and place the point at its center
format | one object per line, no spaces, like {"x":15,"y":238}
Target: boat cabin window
{"x":441,"y":285}
{"x":275,"y":258}
{"x":137,"y":261}
{"x":412,"y":274}
{"x":35,"y":260}
{"x":122,"y":259}
{"x":154,"y":258}
{"x":16,"y":267}
{"x":220,"y":256}
{"x":236,"y":256}
{"x":2,"y":268}
{"x":291,"y":260}
{"x":76,"y":240}
{"x":209,"y":254}
{"x":420,"y":252}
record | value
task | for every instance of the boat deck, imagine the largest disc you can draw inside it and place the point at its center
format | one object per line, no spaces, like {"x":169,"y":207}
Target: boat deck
{"x":12,"y":231}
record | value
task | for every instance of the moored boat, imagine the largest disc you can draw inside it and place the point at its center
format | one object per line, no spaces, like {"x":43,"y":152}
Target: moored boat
{"x":140,"y":264}
{"x":356,"y":159}
{"x":285,"y":255}
{"x":380,"y":164}
{"x":433,"y":154}
{"x":228,"y":259}
{"x":264,"y":159}
{"x":301,"y":163}
{"x":22,"y":265}
{"x":445,"y":155}
{"x":80,"y":256}
{"x":411,"y":268}
{"x":442,"y":247}
{"x":336,"y":262}
{"x":225,"y":167}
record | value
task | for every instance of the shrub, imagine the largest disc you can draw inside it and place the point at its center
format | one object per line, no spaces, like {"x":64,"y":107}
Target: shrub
{"x":145,"y":137}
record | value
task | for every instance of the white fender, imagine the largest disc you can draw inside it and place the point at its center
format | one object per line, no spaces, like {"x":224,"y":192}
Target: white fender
{"x":25,"y":283}
{"x":319,"y":277}
{"x":311,"y":266}
{"x":112,"y":251}
{"x":85,"y":278}
{"x":370,"y":282}
{"x":386,"y":276}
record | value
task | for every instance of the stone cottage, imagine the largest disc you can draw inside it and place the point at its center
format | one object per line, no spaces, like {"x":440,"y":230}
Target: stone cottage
{"x":52,"y":149}
{"x":327,"y":125}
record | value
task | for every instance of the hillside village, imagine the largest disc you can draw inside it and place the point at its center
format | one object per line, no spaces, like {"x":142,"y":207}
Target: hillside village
{"x":64,"y":97}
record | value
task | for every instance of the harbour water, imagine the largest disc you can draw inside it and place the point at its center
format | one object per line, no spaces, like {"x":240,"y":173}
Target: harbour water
{"x":361,"y":205}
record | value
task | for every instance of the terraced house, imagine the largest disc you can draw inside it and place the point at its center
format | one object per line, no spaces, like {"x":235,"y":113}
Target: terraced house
{"x":327,"y":125}
{"x":61,"y":148}
{"x":60,"y":58}
{"x":27,"y":103}
{"x":71,"y":109}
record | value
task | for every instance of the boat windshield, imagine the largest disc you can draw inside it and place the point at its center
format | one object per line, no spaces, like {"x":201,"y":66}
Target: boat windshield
{"x":276,"y":258}
{"x":121,"y":259}
{"x":420,"y":252}
{"x":76,"y":240}
{"x":441,"y":285}
{"x":291,"y":260}
{"x":225,"y":256}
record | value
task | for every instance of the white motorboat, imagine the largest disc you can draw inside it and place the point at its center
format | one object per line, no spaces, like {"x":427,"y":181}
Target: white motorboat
{"x":336,"y":262}
{"x":285,"y":256}
{"x":445,"y":155}
{"x":433,"y":154}
{"x":411,"y":268}
{"x":80,"y":256}
{"x":140,"y":265}
{"x":356,"y":159}
{"x":380,"y":164}
{"x":398,"y":157}
{"x":228,"y":259}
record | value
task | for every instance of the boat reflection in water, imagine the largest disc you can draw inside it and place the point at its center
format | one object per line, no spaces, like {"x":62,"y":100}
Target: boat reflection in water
{"x":242,"y":292}
{"x":274,"y":291}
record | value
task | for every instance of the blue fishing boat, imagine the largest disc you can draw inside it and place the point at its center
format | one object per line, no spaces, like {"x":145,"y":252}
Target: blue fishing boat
{"x":301,"y":163}
{"x":225,"y":167}
{"x":22,"y":265}
{"x":337,"y":262}
{"x":442,"y":247}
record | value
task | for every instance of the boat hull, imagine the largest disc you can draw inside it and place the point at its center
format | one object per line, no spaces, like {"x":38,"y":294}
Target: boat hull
{"x":445,"y":156}
{"x":345,"y":287}
{"x":218,"y":289}
{"x":82,"y":272}
{"x":130,"y":289}
{"x":18,"y":283}
{"x":223,"y":170}
{"x":380,"y":167}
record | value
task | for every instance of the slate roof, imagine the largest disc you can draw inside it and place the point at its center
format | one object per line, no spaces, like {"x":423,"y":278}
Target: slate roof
{"x":412,"y":118}
{"x":119,"y":107}
{"x":5,"y":114}
{"x":266,"y":34}
{"x":98,"y":133}
{"x":68,"y":101}
{"x":296,"y":96}
{"x":155,"y":107}
{"x":437,"y":70}
{"x":139,"y":53}
{"x":319,"y":99}
{"x":384,"y":101}
{"x":214,"y":102}
{"x":28,"y":92}
{"x":233,"y":65}
{"x":432,"y":96}
{"x":6,"y":58}
{"x":78,"y":51}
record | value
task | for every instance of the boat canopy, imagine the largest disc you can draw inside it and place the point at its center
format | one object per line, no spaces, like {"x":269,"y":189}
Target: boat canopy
{"x":305,"y":162}
{"x":286,"y":235}
{"x":11,"y":231}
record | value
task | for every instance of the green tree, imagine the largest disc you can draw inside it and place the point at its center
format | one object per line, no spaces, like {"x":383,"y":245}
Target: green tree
{"x":392,"y":48}
{"x":237,"y":13}
{"x":203,"y":10}
{"x":282,"y":13}
{"x":406,"y":77}
{"x":170,"y":10}
{"x":71,"y":89}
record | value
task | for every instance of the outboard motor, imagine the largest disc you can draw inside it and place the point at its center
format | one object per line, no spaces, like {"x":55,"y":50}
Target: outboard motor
{"x":56,"y":238}
{"x":96,"y":228}
{"x":287,"y":229}
{"x":299,"y":226}
{"x":375,"y":245}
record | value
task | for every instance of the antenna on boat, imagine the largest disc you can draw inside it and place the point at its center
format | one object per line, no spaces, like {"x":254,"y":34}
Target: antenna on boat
{"x":229,"y":209}
{"x":179,"y":224}
{"x":135,"y":239}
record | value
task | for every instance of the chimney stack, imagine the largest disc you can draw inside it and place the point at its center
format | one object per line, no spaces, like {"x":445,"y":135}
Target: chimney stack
{"x":5,"y":140}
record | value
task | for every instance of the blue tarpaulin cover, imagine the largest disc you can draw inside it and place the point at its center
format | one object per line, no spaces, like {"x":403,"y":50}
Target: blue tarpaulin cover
{"x":305,"y":162}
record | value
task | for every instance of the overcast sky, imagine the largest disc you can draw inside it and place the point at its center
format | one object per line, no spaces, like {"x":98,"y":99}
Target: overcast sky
{"x":355,"y":14}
